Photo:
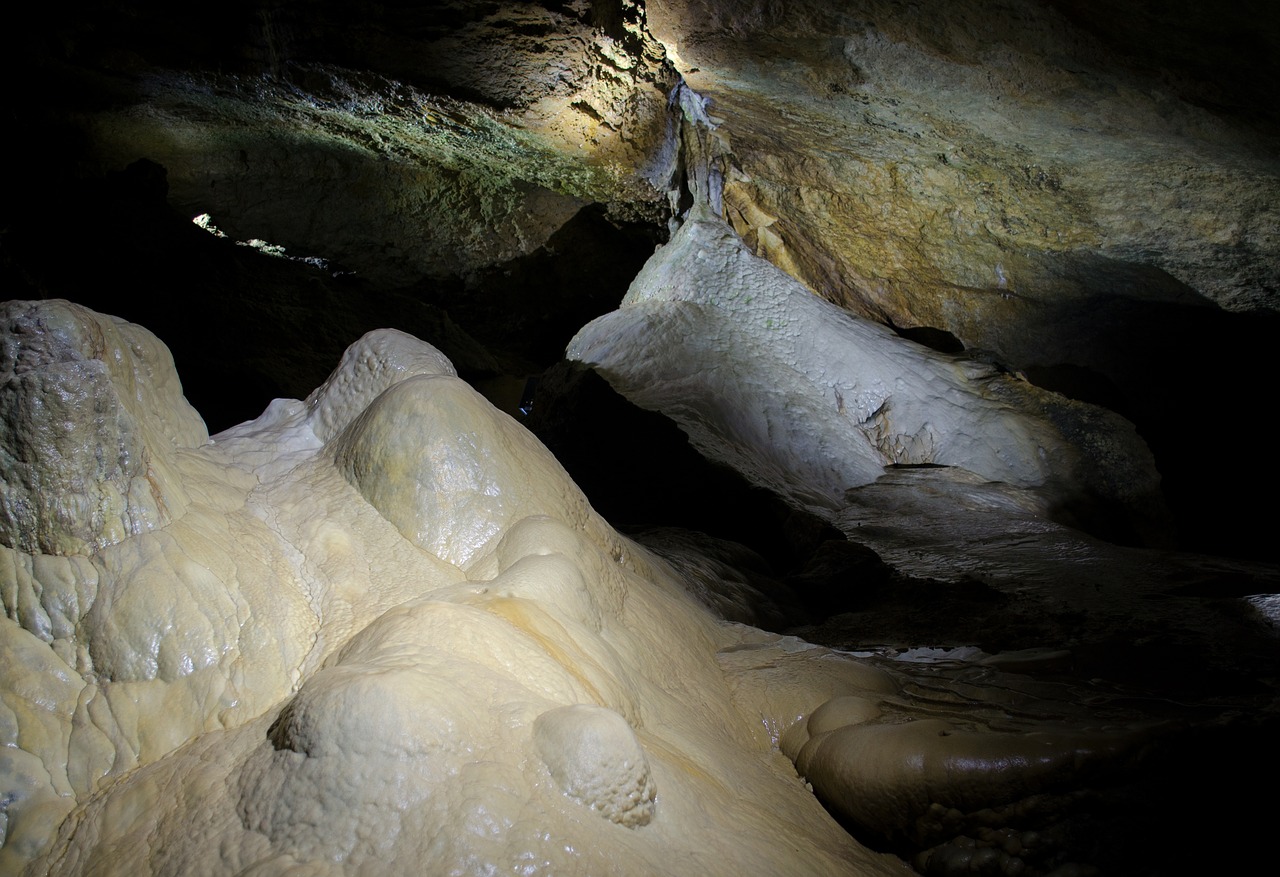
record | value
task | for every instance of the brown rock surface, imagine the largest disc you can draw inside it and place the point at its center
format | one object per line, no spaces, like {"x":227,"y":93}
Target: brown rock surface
{"x":936,"y":169}
{"x":1050,"y":189}
{"x":400,"y":140}
{"x":1031,"y":181}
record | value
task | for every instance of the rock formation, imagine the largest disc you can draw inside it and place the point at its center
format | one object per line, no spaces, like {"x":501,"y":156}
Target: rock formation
{"x":935,"y":317}
{"x":1026,"y":182}
{"x":384,"y":630}
{"x":810,"y":402}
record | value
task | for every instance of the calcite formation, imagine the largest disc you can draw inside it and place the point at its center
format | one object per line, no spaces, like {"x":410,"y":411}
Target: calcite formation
{"x":311,"y":675}
{"x":85,"y":465}
{"x":596,"y":759}
{"x":483,"y":129}
{"x":811,"y":402}
{"x":385,"y":633}
{"x":965,"y":169}
{"x":377,"y":628}
{"x":1026,"y":180}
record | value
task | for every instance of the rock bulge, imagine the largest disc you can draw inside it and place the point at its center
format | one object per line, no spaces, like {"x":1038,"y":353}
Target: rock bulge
{"x":411,"y":645}
{"x":594,"y":756}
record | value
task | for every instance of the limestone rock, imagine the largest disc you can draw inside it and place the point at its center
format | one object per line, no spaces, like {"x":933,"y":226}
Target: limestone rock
{"x":811,"y":402}
{"x":889,"y":774}
{"x":926,"y":169}
{"x":456,"y":137}
{"x":371,"y":365}
{"x":1030,"y":179}
{"x":430,"y":455}
{"x":85,"y":463}
{"x":1025,"y":179}
{"x":413,"y":646}
{"x":595,"y":758}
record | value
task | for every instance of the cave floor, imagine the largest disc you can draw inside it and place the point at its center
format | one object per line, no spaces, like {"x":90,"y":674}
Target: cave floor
{"x":997,"y":611}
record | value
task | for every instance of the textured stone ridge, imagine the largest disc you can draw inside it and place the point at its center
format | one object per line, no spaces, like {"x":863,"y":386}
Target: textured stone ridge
{"x":443,"y":491}
{"x":452,"y":138}
{"x":441,"y":678}
{"x":413,"y":648}
{"x":84,"y":463}
{"x":915,"y":167}
{"x":810,"y":401}
{"x":1039,"y":193}
{"x":991,"y":173}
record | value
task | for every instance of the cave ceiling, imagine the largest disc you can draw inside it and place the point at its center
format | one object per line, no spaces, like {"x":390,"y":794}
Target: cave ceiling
{"x":1084,"y":196}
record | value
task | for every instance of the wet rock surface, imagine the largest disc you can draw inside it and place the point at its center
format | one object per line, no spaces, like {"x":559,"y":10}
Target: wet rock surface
{"x":349,"y":658}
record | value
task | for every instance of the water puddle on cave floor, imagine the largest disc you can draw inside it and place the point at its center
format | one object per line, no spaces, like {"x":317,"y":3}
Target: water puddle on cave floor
{"x":1166,"y":807}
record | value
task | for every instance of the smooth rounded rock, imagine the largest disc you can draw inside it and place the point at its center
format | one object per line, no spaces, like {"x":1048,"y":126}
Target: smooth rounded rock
{"x":595,"y":758}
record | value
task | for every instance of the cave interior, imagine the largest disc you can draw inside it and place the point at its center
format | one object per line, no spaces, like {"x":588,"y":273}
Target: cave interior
{"x":1074,"y":205}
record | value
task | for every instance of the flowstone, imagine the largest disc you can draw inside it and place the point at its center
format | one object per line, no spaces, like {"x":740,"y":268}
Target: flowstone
{"x":390,"y":636}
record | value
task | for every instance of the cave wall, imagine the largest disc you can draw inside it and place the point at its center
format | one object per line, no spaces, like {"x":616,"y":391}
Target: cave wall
{"x":1032,"y":183}
{"x":1072,"y":202}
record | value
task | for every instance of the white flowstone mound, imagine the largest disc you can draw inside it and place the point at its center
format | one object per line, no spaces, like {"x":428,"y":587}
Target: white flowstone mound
{"x":386,"y":634}
{"x":443,"y":490}
{"x":594,"y":756}
{"x":809,"y":401}
{"x":382,"y":633}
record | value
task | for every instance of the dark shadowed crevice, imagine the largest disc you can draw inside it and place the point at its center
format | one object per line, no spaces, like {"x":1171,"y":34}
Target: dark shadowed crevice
{"x":639,"y":470}
{"x":932,"y":337}
{"x":528,"y":308}
{"x":244,"y":328}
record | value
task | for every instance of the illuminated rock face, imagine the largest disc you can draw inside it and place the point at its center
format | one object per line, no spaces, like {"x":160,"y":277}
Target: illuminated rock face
{"x":809,"y":401}
{"x":482,"y":128}
{"x":966,"y":169}
{"x":1004,"y":177}
{"x":86,"y":465}
{"x":1032,"y":179}
{"x":379,"y":630}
